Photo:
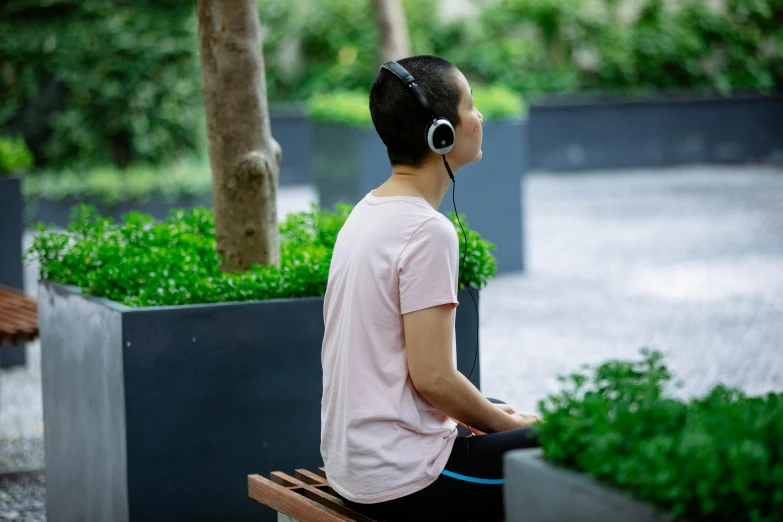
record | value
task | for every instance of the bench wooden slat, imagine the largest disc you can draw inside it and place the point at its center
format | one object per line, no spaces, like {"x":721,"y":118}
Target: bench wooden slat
{"x":314,"y":492}
{"x":17,"y":298}
{"x":18,"y":316}
{"x":290,"y":502}
{"x":14,"y":328}
{"x":18,"y":312}
{"x":305,"y":486}
{"x":27,"y":322}
{"x":9,"y":326}
{"x":309,"y":477}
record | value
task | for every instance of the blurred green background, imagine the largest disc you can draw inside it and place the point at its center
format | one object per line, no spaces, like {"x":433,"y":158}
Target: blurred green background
{"x":111,"y":91}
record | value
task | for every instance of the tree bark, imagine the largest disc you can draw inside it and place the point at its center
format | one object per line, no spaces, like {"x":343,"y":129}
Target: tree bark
{"x":392,"y":30}
{"x":243,"y":155}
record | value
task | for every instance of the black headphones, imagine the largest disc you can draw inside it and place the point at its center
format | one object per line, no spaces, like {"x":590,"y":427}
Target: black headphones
{"x":440,"y":133}
{"x":440,"y":138}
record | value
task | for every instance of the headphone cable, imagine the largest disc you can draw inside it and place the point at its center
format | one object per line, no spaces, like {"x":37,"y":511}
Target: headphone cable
{"x":462,"y":264}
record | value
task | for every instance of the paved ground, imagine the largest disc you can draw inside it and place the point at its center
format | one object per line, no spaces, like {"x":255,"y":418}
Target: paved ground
{"x":685,"y":260}
{"x":688,"y":261}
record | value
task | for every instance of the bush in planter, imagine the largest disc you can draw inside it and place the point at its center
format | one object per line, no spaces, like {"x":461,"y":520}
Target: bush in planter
{"x":140,"y":263}
{"x":719,"y":457}
{"x":14,"y":156}
{"x":351,"y":108}
{"x":109,"y":185}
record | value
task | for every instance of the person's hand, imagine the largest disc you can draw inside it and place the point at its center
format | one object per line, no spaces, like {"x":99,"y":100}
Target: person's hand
{"x":507,"y":408}
{"x":525,"y":420}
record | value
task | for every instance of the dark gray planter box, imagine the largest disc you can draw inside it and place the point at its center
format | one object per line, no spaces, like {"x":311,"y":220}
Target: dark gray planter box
{"x":536,"y":491}
{"x":162,"y":413}
{"x":11,"y":272}
{"x":581,"y":134}
{"x":347,"y":163}
{"x":290,"y":128}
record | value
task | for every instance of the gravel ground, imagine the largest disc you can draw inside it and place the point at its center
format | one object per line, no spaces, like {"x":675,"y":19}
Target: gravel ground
{"x":685,"y":260}
{"x":23,"y":497}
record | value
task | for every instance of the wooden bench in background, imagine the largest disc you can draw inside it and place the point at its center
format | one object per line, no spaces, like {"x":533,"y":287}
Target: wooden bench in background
{"x":305,"y":497}
{"x":18,"y":316}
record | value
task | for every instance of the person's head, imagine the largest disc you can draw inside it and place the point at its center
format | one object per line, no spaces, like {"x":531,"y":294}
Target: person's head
{"x":402,"y":123}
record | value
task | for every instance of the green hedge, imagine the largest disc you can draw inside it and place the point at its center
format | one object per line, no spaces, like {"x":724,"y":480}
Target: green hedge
{"x":141,"y":263}
{"x":116,"y":82}
{"x":14,"y":156}
{"x":109,"y":185}
{"x":352,"y":107}
{"x":621,"y":46}
{"x":714,"y":458}
{"x":337,"y":43}
{"x":90,"y":82}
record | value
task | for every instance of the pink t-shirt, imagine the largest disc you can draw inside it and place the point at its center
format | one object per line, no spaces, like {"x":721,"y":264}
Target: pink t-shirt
{"x":380,"y":439}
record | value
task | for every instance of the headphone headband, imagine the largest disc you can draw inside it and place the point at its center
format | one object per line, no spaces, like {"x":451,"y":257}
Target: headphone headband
{"x":407,"y":78}
{"x":440,"y":133}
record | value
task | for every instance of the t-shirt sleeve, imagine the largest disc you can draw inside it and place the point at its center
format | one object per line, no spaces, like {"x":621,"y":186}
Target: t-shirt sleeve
{"x":427,"y":267}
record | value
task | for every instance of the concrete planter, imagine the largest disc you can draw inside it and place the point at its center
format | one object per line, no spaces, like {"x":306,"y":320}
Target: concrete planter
{"x":161,"y":413}
{"x":11,"y":272}
{"x":577,"y":134}
{"x":536,"y":491}
{"x":290,"y":128}
{"x":347,"y":163}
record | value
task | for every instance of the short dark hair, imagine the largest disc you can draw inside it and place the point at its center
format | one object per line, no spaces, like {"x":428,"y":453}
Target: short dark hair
{"x":400,"y":120}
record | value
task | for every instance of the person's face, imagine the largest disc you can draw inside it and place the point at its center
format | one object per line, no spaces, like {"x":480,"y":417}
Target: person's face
{"x":467,"y":145}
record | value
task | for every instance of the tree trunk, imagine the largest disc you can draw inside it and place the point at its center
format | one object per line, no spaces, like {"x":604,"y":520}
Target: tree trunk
{"x":244,"y":157}
{"x":392,"y":30}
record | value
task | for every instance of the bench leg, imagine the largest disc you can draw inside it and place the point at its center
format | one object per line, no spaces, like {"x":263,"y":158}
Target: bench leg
{"x":284,"y":518}
{"x":13,"y":355}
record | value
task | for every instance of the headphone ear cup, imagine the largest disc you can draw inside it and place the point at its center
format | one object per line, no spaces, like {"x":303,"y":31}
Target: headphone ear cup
{"x":441,"y":136}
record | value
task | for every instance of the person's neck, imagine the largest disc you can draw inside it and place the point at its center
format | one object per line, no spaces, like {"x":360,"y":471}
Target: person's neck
{"x":429,"y":181}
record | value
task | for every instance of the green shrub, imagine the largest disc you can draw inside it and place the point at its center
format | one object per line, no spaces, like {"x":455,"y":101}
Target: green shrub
{"x":141,"y":263}
{"x":92,"y":82}
{"x":349,"y":108}
{"x":480,"y":265}
{"x":109,"y":185}
{"x":497,"y":102}
{"x":620,"y":46}
{"x":319,"y":46}
{"x":352,"y":107}
{"x":14,"y":156}
{"x":714,"y":458}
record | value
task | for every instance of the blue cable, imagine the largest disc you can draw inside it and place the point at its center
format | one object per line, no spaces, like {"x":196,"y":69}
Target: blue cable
{"x":473,"y":479}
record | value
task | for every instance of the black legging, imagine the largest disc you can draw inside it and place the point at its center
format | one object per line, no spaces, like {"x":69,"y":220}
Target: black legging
{"x":470,"y":488}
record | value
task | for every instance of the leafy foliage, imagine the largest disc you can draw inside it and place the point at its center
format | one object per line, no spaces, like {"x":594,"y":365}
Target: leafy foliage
{"x":118,"y":82}
{"x":715,"y":458}
{"x":141,"y":263}
{"x":352,"y":107}
{"x":479,"y":264}
{"x":326,"y":45}
{"x":14,"y":155}
{"x":349,"y":108}
{"x":110,"y":185}
{"x":497,"y":102}
{"x":91,"y":82}
{"x":545,"y":46}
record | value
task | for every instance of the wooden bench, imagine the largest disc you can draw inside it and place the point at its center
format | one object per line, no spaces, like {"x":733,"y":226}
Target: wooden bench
{"x":305,"y":497}
{"x":18,"y":316}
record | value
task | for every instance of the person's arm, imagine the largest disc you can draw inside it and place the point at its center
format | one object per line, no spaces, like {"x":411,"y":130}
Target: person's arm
{"x":428,"y":341}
